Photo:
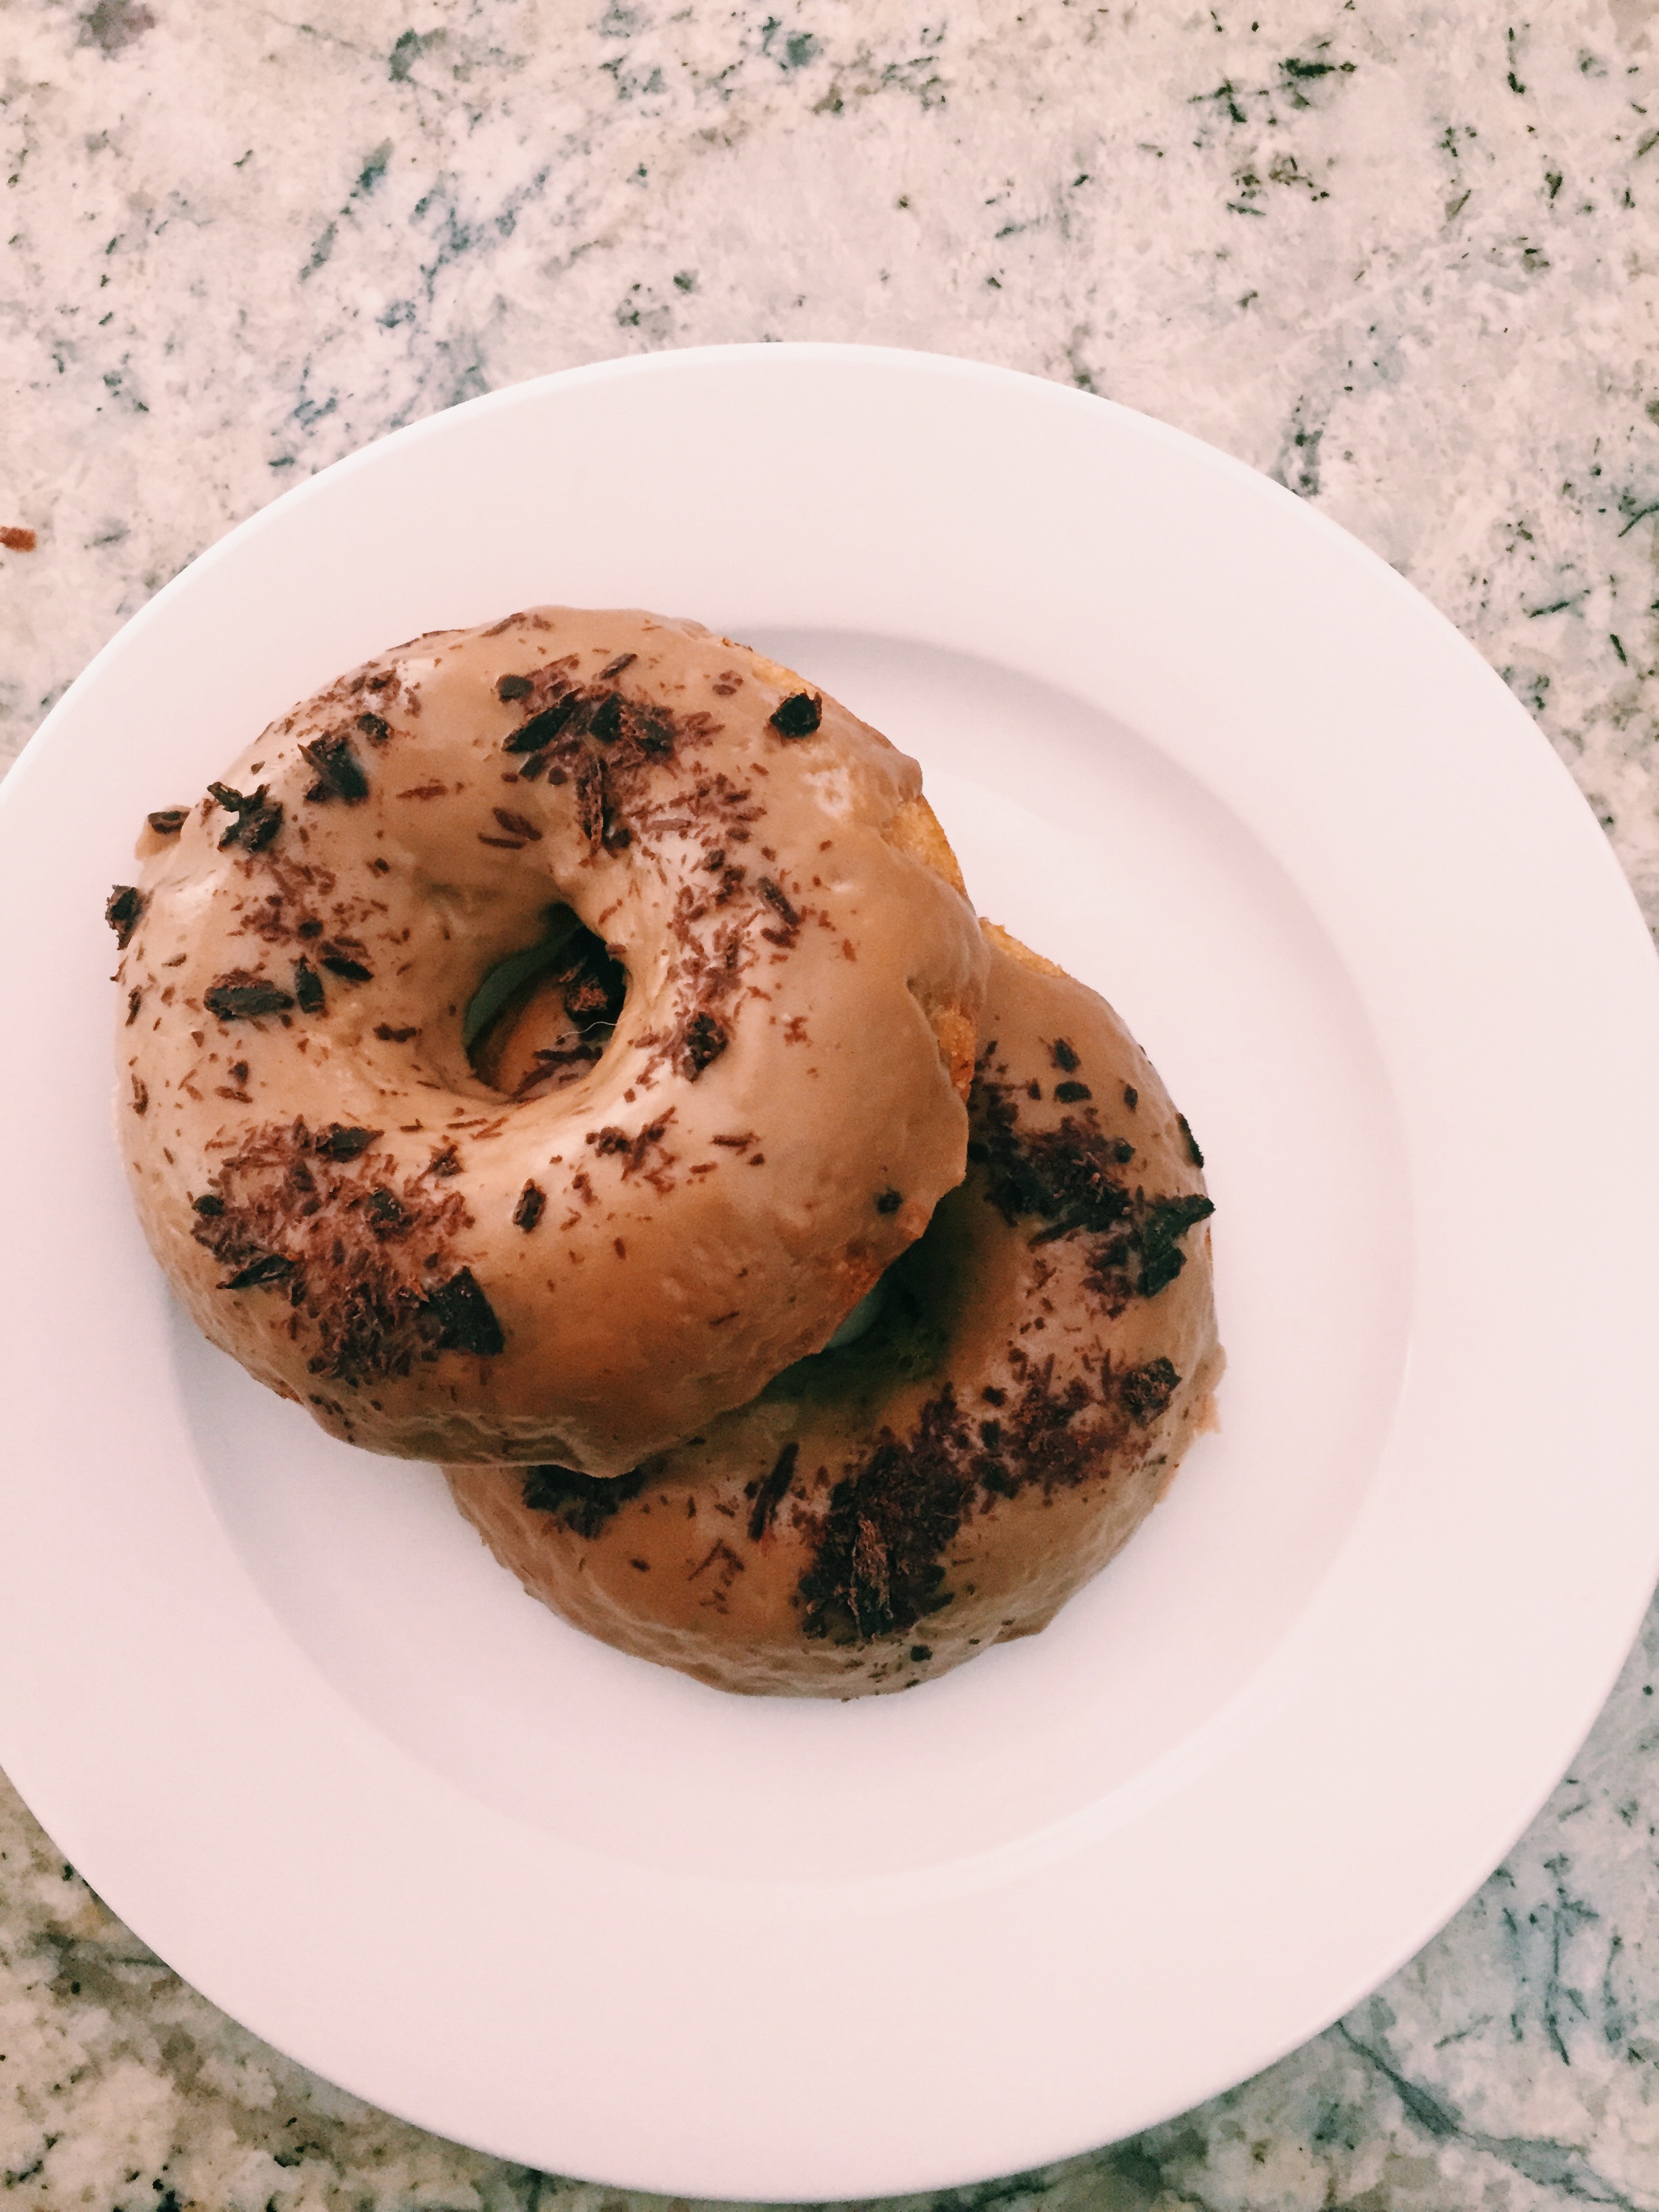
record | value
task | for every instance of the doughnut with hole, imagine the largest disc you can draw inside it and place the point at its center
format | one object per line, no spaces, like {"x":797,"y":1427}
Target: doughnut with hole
{"x":758,"y":982}
{"x":1033,"y":1370}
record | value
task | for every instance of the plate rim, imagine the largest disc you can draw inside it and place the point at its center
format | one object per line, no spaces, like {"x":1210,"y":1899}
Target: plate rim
{"x":1265,"y":1697}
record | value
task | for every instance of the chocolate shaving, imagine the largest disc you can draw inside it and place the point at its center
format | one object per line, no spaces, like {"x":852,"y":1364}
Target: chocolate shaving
{"x":375,"y":727}
{"x":134,"y":999}
{"x":122,"y":910}
{"x":167,"y":821}
{"x":770,"y":1493}
{"x":1193,"y":1152}
{"x":1146,"y":1390}
{"x":704,"y":1041}
{"x":140,"y":1096}
{"x":582,"y":1503}
{"x":877,"y":1567}
{"x":1065,"y":1054}
{"x":240,"y":996}
{"x":269,"y":1267}
{"x":1068,"y":1179}
{"x":338,"y":768}
{"x":387,"y":1035}
{"x":517,"y":825}
{"x":616,"y":667}
{"x":798,"y":715}
{"x":532,"y":1203}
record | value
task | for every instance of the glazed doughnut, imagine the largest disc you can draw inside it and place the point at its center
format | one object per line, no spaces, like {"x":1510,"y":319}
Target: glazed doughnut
{"x":1035,"y":1367}
{"x":767,"y":982}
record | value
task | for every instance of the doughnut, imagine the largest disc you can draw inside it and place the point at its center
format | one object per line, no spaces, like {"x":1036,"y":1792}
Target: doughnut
{"x":1035,"y":1367}
{"x":756,"y":982}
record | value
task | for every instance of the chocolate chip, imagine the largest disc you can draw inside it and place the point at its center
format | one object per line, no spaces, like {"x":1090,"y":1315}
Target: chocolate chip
{"x":1072,"y":1094}
{"x":375,"y":727}
{"x":1065,"y":1054}
{"x":798,"y":715}
{"x":387,"y":1035}
{"x":209,"y":1205}
{"x":532,"y":1200}
{"x":167,"y":821}
{"x":1193,"y":1152}
{"x":888,"y":1201}
{"x":122,"y":909}
{"x":513,"y":687}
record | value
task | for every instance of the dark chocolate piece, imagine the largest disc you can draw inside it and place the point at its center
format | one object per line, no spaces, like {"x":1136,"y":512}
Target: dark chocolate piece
{"x":167,"y":821}
{"x":541,"y":729}
{"x":122,"y":910}
{"x":241,"y":997}
{"x":466,"y":1320}
{"x":513,"y":687}
{"x":308,"y":988}
{"x":798,"y":715}
{"x":532,"y":1202}
{"x":339,"y":1141}
{"x":337,"y":766}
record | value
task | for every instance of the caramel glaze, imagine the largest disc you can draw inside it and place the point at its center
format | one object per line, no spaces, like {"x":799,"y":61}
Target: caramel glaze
{"x":588,"y":1258}
{"x":1038,"y":1363}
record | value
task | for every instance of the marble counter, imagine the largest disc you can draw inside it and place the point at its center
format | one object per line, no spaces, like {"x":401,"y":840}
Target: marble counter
{"x":1400,"y":254}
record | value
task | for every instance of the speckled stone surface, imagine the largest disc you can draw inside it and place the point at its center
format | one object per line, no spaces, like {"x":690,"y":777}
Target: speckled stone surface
{"x":1402,"y":253}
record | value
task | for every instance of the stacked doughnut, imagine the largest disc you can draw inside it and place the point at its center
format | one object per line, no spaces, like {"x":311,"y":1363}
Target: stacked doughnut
{"x":566,"y":1050}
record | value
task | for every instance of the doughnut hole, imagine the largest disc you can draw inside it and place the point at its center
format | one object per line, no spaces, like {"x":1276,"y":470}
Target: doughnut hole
{"x":542,"y":1017}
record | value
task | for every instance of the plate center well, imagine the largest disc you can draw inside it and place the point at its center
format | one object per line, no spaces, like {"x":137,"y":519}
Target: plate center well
{"x":1094,"y":848}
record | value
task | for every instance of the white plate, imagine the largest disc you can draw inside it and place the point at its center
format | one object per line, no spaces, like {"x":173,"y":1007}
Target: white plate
{"x":281,"y":1710}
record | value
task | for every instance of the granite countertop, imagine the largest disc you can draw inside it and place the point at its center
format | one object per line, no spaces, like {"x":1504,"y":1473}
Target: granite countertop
{"x":1399,"y":253}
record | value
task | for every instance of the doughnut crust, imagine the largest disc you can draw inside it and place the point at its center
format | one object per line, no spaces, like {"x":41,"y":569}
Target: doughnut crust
{"x":1038,"y":1363}
{"x":591,"y":1252}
